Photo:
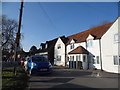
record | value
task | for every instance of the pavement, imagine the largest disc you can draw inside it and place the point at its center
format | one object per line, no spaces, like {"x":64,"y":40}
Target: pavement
{"x":73,"y":78}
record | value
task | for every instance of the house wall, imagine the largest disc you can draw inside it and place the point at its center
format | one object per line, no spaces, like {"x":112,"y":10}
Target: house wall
{"x":60,"y":52}
{"x":75,"y":46}
{"x":119,"y":43}
{"x":110,"y":48}
{"x":83,"y":44}
{"x":94,"y":51}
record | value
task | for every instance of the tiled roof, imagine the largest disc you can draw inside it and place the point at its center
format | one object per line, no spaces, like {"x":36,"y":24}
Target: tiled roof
{"x":79,"y":50}
{"x":97,"y":32}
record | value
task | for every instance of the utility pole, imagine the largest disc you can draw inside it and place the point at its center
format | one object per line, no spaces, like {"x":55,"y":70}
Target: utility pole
{"x":18,"y":34}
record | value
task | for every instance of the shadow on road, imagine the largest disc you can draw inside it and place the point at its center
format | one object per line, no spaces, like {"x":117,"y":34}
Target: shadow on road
{"x":54,"y":80}
{"x":65,"y":73}
{"x":64,"y":79}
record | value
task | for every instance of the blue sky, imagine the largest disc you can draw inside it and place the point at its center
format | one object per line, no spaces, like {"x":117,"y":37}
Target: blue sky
{"x":43,"y":21}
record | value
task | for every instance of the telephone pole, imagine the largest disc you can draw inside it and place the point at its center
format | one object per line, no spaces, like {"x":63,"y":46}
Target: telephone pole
{"x":18,"y":34}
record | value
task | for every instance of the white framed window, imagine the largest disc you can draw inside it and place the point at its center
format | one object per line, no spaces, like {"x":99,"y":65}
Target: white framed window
{"x":71,"y":58}
{"x":58,"y":46}
{"x":119,"y":60}
{"x":116,"y":60}
{"x":84,"y":58}
{"x":58,"y":58}
{"x":116,"y":37}
{"x":68,"y":58}
{"x":90,"y":43}
{"x":72,"y":46}
{"x":97,"y":60}
{"x":77,"y":59}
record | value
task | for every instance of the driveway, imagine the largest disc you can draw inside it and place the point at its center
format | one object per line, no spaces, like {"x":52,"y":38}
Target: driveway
{"x":73,"y":78}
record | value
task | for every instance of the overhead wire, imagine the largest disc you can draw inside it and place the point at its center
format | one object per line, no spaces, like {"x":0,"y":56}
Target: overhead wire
{"x":46,"y":14}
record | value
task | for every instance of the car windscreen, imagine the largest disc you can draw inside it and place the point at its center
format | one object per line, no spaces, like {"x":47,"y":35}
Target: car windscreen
{"x":39,"y":59}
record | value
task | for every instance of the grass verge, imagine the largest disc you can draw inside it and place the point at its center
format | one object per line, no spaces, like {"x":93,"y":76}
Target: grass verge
{"x":11,"y":81}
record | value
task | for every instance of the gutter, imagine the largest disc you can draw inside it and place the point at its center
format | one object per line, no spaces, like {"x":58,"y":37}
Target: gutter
{"x":100,"y":54}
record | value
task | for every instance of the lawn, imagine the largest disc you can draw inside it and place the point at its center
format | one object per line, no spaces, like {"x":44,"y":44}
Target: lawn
{"x":11,"y":81}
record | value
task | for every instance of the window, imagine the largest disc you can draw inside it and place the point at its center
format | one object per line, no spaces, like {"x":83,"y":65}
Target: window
{"x":58,"y":58}
{"x":72,"y":46}
{"x":119,"y":60}
{"x":116,"y":37}
{"x":79,"y":57}
{"x":59,"y":46}
{"x":115,"y":58}
{"x":93,"y":59}
{"x":84,"y":58}
{"x":76,"y":58}
{"x":67,"y":58}
{"x":71,"y":58}
{"x":89,"y":43}
{"x":97,"y":59}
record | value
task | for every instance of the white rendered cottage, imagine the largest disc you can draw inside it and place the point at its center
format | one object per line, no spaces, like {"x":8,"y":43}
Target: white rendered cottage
{"x":98,"y":48}
{"x":60,"y":49}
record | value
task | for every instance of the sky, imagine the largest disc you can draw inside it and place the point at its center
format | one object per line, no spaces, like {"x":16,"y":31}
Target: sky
{"x":44,"y":21}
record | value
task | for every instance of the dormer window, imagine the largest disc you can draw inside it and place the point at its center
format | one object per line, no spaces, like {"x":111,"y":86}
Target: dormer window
{"x":72,"y":46}
{"x":59,"y":46}
{"x":89,"y":43}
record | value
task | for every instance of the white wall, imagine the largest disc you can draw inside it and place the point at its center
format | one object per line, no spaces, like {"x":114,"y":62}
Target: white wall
{"x":94,"y":50}
{"x":83,"y":44}
{"x":110,"y":48}
{"x":75,"y":46}
{"x":60,"y":52}
{"x":119,"y":43}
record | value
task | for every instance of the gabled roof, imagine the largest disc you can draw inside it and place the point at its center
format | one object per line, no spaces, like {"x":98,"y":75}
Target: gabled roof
{"x":97,"y":32}
{"x":64,"y":39}
{"x":79,"y":50}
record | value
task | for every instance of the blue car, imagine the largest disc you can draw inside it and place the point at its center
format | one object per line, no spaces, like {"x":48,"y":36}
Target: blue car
{"x":38,"y":64}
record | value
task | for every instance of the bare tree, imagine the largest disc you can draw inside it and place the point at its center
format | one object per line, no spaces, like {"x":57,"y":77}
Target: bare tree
{"x":9,"y":29}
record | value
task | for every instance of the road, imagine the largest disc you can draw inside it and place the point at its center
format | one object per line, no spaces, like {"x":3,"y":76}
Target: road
{"x":72,"y":78}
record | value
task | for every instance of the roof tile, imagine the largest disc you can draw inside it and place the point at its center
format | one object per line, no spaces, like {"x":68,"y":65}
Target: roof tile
{"x":97,"y":32}
{"x":79,"y":50}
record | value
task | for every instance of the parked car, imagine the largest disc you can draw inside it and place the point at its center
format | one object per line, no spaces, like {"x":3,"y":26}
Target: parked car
{"x":25,"y":63}
{"x":22,"y":60}
{"x":38,"y":64}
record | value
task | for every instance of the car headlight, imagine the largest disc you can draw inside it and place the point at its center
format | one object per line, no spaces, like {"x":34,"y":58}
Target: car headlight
{"x":34,"y":64}
{"x":50,"y":64}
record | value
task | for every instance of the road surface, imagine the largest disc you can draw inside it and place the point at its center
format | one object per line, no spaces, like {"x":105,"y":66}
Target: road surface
{"x":73,"y":78}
